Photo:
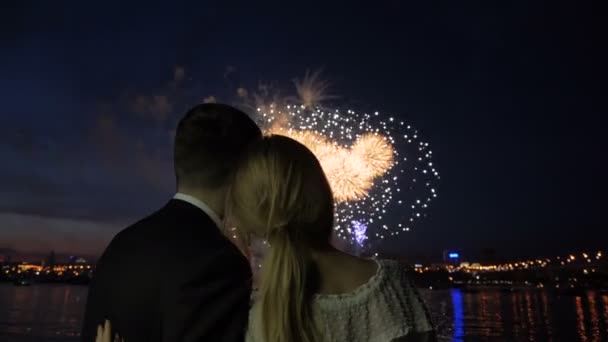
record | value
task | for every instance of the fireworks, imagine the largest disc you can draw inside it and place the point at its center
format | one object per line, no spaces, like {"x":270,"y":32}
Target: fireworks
{"x":359,"y":232}
{"x":350,"y":170}
{"x":379,"y":168}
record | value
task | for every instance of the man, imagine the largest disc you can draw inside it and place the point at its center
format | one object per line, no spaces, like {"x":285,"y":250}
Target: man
{"x":173,"y":276}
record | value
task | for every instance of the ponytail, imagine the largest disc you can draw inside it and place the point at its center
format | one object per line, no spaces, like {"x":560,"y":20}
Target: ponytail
{"x":286,"y":289}
{"x":280,"y":193}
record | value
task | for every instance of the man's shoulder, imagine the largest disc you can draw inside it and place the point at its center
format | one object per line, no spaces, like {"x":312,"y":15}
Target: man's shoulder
{"x":173,"y":235}
{"x":143,"y":231}
{"x":173,"y":230}
{"x":140,"y":239}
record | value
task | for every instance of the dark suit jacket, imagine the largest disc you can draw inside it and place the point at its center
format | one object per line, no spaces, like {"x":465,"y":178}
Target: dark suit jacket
{"x":171,"y":277}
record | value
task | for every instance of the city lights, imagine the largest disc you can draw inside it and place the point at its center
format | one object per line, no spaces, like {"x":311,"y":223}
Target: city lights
{"x":466,"y":266}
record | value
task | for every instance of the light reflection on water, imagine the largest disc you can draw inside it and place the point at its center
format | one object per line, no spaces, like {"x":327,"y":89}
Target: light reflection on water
{"x":54,"y":313}
{"x":41,"y":312}
{"x":490,"y":315}
{"x":458,"y":316}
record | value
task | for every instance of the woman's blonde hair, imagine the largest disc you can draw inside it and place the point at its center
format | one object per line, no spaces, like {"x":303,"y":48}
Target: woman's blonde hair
{"x":281,"y":194}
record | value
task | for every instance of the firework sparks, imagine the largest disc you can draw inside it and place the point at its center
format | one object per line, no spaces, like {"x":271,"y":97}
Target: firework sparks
{"x":359,"y":230}
{"x":312,"y":90}
{"x":380,"y":170}
{"x":350,"y":170}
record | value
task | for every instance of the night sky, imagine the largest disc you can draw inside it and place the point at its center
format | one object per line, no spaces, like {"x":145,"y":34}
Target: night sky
{"x":508,"y":97}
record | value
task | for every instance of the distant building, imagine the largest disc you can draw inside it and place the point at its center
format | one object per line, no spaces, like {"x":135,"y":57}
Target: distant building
{"x":51,"y":259}
{"x":6,"y":255}
{"x":77,"y":260}
{"x":452,"y":257}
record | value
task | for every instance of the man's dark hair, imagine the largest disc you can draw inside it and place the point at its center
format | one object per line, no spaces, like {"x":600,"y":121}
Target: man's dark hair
{"x":208,"y":142}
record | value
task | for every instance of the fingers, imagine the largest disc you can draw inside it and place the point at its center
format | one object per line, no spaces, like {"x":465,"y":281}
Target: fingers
{"x":107,"y":332}
{"x":104,"y":333}
{"x":99,"y":337}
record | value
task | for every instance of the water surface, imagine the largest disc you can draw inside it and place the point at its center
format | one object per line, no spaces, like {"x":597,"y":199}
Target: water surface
{"x":44,"y":313}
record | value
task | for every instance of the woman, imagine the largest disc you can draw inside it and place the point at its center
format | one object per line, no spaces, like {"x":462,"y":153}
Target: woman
{"x":309,"y":290}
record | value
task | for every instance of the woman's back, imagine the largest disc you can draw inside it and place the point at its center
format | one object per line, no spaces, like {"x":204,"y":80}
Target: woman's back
{"x":384,"y":308}
{"x":281,"y":194}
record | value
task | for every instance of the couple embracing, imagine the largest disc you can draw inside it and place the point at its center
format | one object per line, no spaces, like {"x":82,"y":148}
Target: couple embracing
{"x":175,"y":277}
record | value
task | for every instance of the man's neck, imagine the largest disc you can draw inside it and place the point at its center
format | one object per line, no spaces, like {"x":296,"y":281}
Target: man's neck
{"x":213,"y":200}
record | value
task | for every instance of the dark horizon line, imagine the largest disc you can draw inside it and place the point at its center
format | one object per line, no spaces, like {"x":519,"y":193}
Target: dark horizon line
{"x":476,"y":257}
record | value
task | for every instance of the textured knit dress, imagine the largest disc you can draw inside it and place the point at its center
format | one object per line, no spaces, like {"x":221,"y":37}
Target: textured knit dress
{"x":385,"y":308}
